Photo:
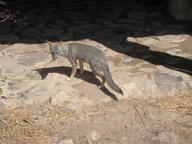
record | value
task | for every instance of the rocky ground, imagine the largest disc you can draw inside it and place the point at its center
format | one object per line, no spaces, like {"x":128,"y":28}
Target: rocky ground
{"x":149,"y":56}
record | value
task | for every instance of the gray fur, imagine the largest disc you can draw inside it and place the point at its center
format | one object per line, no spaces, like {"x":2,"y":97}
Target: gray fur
{"x":90,"y":54}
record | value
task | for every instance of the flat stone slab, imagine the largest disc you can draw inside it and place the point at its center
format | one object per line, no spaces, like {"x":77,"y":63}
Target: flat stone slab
{"x":23,"y":85}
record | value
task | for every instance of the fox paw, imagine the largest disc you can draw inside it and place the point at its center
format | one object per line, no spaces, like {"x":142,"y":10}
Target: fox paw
{"x":100,"y":86}
{"x":82,"y":71}
{"x":68,"y":79}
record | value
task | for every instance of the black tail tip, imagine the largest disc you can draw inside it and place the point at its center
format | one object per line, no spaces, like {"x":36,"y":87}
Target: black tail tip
{"x":120,"y":91}
{"x":115,"y":98}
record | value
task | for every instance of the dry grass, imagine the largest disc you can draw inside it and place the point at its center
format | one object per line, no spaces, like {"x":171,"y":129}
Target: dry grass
{"x":181,"y":103}
{"x":19,"y":126}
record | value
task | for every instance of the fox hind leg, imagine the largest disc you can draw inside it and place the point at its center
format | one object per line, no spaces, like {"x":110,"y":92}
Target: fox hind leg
{"x":102,"y":80}
{"x":98,"y":73}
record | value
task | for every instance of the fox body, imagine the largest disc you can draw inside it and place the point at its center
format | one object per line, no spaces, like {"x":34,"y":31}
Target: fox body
{"x":88,"y":54}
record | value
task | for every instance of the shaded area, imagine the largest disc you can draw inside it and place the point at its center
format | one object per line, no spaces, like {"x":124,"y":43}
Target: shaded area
{"x":109,"y":23}
{"x":87,"y":76}
{"x":155,"y":57}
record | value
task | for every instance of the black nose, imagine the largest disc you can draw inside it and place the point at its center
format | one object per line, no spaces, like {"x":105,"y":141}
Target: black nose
{"x":54,"y":57}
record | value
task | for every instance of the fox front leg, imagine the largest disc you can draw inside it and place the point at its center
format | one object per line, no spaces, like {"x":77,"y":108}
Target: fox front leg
{"x":73,"y":72}
{"x":74,"y":69}
{"x":81,"y":65}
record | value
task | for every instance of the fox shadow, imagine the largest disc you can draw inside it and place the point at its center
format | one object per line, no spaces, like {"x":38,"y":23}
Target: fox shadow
{"x":86,"y":76}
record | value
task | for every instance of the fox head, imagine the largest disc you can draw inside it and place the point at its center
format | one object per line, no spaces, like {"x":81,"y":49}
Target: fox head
{"x":57,"y":49}
{"x":54,"y":50}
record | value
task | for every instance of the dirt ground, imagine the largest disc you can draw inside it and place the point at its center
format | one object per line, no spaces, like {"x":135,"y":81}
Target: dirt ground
{"x":166,"y":121}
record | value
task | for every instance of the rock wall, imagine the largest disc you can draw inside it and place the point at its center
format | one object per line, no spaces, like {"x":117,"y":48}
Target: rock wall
{"x":181,"y":9}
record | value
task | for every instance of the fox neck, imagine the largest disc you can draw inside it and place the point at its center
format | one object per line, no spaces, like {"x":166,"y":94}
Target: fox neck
{"x":65,"y":48}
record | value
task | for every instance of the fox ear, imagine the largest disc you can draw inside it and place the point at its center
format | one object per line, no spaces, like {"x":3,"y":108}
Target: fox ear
{"x":49,"y":43}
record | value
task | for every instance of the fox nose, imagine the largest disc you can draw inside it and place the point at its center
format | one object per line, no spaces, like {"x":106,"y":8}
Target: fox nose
{"x":54,"y":57}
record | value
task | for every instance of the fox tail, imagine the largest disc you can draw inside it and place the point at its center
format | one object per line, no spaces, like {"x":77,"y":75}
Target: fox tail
{"x":110,"y":81}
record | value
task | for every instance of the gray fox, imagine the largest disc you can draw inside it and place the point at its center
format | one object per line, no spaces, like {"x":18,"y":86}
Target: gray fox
{"x":84,"y":53}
